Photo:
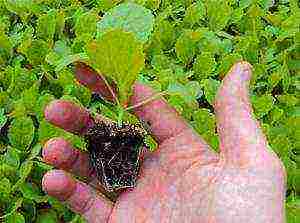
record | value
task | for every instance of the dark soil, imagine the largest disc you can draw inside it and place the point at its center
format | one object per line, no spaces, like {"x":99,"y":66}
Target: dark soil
{"x":115,"y":153}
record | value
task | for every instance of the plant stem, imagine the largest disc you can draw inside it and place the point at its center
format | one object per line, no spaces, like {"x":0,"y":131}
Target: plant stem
{"x":119,"y":106}
{"x":110,"y":89}
{"x":151,"y":98}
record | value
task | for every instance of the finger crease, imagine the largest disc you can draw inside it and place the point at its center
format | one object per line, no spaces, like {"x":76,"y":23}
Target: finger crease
{"x":88,"y":204}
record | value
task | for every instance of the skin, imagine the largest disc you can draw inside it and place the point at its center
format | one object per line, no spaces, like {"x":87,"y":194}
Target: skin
{"x":184,"y":180}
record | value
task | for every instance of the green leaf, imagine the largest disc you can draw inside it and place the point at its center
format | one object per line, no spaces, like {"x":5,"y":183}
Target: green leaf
{"x":186,"y":47}
{"x":262,"y":104}
{"x":35,"y":151}
{"x":105,"y":5}
{"x":15,"y":204}
{"x":32,"y":192}
{"x":245,"y":3}
{"x":15,"y":218}
{"x":12,"y":157}
{"x":6,"y":47}
{"x":118,"y":55}
{"x":189,"y":92}
{"x":47,"y":131}
{"x":293,"y":208}
{"x":3,"y":118}
{"x":275,"y":114}
{"x":210,"y":87}
{"x":19,"y":7}
{"x":194,"y":13}
{"x":41,"y":103}
{"x":46,"y":26}
{"x":204,"y":65}
{"x":29,"y":98}
{"x":25,"y":169}
{"x":47,"y":216}
{"x":296,"y":181}
{"x":151,"y":144}
{"x":288,"y":99}
{"x":275,"y":78}
{"x":130,"y":18}
{"x":153,"y":4}
{"x":35,"y":51}
{"x":204,"y":121}
{"x":86,"y":26}
{"x":218,"y":13}
{"x":21,"y":80}
{"x":5,"y":187}
{"x":21,"y":133}
{"x":164,"y":36}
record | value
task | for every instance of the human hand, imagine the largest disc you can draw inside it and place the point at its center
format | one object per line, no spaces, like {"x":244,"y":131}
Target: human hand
{"x":184,"y":180}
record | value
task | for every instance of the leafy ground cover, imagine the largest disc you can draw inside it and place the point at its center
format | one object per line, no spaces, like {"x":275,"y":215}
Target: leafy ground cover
{"x":182,"y":47}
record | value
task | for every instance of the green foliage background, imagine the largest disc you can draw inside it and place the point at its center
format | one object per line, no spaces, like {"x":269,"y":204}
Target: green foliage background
{"x":192,"y":46}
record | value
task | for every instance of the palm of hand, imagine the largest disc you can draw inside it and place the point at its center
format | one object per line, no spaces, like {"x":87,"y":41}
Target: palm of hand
{"x":208,"y":190}
{"x":184,"y":180}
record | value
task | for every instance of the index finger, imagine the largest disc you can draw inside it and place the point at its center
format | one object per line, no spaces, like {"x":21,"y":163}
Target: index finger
{"x":68,"y":116}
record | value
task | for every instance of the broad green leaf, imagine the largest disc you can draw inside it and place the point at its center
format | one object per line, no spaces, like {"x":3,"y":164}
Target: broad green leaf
{"x":262,"y":104}
{"x":293,"y":208}
{"x":227,"y":63}
{"x":47,"y":131}
{"x":86,"y":26}
{"x":204,"y":65}
{"x":32,"y":192}
{"x":21,"y":133}
{"x":203,"y":121}
{"x":288,"y":99}
{"x":153,"y":4}
{"x":245,"y":3}
{"x":129,"y":17}
{"x":21,"y":80}
{"x":218,"y":13}
{"x":275,"y":78}
{"x":19,"y":7}
{"x":296,"y":181}
{"x":181,"y":107}
{"x":118,"y":55}
{"x":194,"y":13}
{"x":35,"y":51}
{"x":186,"y":47}
{"x":164,"y":36}
{"x":12,"y":157}
{"x":189,"y":92}
{"x":275,"y":114}
{"x":46,"y":26}
{"x":210,"y":87}
{"x":29,"y":98}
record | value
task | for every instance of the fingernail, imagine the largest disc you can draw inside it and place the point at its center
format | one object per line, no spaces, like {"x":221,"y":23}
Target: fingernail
{"x":59,"y":184}
{"x":59,"y":152}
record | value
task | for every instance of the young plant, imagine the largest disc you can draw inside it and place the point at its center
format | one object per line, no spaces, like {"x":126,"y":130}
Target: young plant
{"x":115,"y":147}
